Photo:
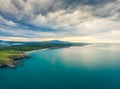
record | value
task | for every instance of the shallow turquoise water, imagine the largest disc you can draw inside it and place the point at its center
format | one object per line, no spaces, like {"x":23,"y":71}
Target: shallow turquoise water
{"x":88,"y":67}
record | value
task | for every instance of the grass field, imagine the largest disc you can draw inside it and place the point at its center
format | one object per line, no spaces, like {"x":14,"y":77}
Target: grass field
{"x":4,"y":55}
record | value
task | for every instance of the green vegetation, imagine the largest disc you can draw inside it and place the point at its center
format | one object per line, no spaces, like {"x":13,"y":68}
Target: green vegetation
{"x":31,"y":47}
{"x":4,"y":55}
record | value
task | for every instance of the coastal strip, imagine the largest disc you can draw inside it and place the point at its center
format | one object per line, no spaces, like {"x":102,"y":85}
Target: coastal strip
{"x":11,"y":55}
{"x":36,"y":50}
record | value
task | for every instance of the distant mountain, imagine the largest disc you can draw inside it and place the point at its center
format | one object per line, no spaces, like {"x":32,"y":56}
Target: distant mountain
{"x":9,"y":43}
{"x":56,"y":42}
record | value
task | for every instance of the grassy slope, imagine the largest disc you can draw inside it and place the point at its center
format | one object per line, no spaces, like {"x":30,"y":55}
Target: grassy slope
{"x":4,"y":57}
{"x":4,"y":54}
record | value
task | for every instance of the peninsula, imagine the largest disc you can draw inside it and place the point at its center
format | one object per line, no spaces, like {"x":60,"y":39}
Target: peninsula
{"x":12,"y":52}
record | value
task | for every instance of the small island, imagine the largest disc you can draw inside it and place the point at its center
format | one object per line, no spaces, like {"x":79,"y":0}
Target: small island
{"x":12,"y":53}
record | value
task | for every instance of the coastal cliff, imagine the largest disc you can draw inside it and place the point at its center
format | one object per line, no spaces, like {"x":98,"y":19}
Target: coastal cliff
{"x":13,"y":60}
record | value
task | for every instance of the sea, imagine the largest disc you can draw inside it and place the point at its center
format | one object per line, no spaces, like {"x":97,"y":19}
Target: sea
{"x":94,"y":66}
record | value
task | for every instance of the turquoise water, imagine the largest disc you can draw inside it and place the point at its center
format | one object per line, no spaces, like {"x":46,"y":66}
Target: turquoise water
{"x":94,"y":66}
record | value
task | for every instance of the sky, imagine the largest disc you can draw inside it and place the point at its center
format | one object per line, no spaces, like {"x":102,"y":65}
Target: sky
{"x":67,"y":20}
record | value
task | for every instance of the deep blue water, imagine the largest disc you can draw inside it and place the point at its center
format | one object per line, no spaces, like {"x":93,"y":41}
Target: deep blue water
{"x":94,"y":66}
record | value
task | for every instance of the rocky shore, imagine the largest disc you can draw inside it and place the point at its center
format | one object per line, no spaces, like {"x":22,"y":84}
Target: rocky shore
{"x":14,"y":59}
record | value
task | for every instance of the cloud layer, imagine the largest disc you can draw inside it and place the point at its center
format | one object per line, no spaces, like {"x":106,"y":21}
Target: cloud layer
{"x":60,"y":19}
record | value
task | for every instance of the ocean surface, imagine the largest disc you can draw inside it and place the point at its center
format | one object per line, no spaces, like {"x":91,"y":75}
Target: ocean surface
{"x":95,"y":66}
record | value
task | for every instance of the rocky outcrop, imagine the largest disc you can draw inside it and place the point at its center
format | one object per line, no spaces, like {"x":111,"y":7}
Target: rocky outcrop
{"x":19,"y":56}
{"x":7,"y":63}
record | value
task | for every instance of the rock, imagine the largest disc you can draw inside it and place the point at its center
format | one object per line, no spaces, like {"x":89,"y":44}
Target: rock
{"x":11,"y":65}
{"x":19,"y":56}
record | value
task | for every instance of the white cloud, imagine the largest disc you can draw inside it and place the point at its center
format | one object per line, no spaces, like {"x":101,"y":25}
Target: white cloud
{"x":89,"y":21}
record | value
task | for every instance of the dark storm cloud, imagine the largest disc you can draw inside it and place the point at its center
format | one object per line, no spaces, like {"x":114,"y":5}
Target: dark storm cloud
{"x":88,"y":2}
{"x":37,"y":8}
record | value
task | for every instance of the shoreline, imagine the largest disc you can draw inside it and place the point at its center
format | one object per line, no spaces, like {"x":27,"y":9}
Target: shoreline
{"x":35,"y":50}
{"x":14,"y":59}
{"x":41,"y":50}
